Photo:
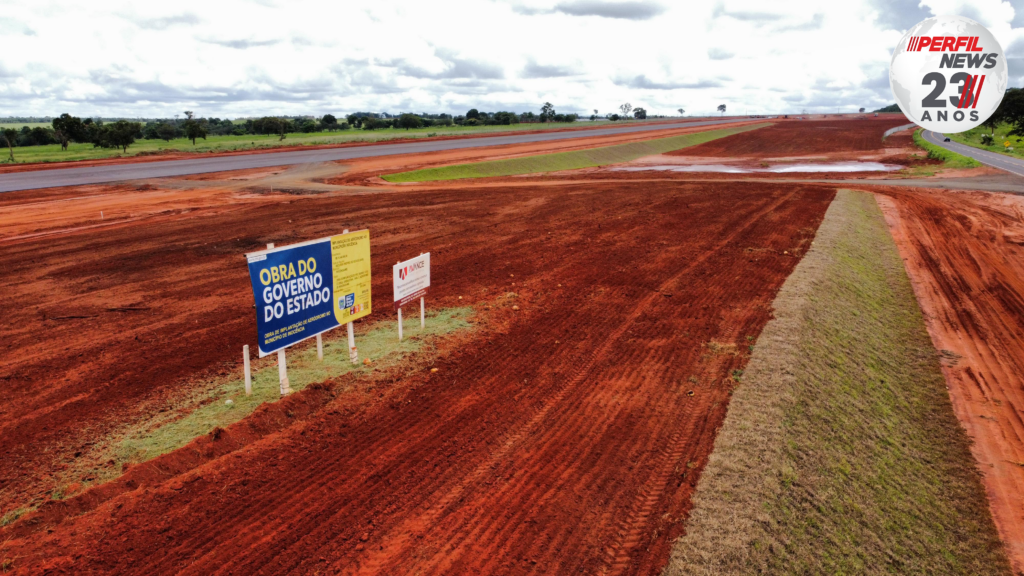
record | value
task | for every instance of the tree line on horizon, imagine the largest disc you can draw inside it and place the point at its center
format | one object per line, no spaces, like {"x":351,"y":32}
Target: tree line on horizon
{"x":122,"y":133}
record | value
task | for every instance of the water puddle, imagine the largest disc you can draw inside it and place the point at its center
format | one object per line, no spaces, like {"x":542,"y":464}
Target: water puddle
{"x":778,"y":169}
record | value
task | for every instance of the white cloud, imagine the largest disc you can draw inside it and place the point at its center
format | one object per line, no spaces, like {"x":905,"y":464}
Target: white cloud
{"x":239,"y":58}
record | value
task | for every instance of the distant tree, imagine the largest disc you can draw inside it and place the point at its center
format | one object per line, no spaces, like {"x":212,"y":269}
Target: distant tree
{"x":194,"y":128}
{"x":166,"y":131}
{"x":595,"y":111}
{"x":354,"y":120}
{"x":889,"y":108}
{"x":409,"y":121}
{"x":640,"y":113}
{"x":681,"y":111}
{"x":10,"y":136}
{"x":329,"y":122}
{"x":1011,"y":110}
{"x":371,"y":123}
{"x":120,"y":134}
{"x":504,"y":118}
{"x":473,"y":114}
{"x":547,"y":112}
{"x":626,"y":108}
{"x":67,"y":127}
{"x":721,"y":108}
{"x":527,"y":117}
{"x":614,"y":117}
{"x":862,"y":110}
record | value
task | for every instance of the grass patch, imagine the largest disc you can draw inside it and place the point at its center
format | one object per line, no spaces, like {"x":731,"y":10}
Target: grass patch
{"x":207,"y":409}
{"x":565,"y":160}
{"x":53,"y":153}
{"x":11,"y":516}
{"x":840,"y":453}
{"x":949,"y":158}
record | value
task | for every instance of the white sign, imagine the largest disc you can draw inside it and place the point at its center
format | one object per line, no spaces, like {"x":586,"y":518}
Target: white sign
{"x":948,"y":74}
{"x":411,"y":278}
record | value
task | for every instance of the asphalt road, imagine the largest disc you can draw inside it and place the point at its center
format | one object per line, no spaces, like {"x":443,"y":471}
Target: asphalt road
{"x":994,"y":159}
{"x":119,"y":172}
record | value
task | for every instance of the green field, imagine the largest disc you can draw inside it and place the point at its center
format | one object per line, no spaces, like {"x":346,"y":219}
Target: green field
{"x":1002,"y":135}
{"x":53,"y":153}
{"x":19,"y":125}
{"x":565,"y":160}
{"x":840,"y":453}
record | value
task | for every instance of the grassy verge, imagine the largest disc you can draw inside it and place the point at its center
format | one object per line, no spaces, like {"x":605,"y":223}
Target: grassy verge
{"x":53,"y":153}
{"x":209,"y":408}
{"x":840,"y":453}
{"x":1001,"y":135}
{"x":949,"y":158}
{"x":565,"y":160}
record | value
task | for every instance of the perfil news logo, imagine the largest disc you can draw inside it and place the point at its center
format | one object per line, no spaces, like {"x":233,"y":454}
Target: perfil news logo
{"x":948,"y":74}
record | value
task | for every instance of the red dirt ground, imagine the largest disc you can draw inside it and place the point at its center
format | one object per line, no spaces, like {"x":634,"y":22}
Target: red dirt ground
{"x":964,"y":254}
{"x":560,"y":439}
{"x":796,"y":138}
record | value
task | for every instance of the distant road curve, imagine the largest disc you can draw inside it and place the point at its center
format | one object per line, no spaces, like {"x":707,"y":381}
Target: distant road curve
{"x":142,"y":170}
{"x":994,"y":159}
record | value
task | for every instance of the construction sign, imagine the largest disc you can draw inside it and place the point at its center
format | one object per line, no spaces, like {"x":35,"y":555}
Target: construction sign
{"x":308,"y":288}
{"x":411,"y":279}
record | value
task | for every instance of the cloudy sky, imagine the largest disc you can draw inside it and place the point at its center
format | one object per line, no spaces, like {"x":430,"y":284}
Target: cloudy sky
{"x":232,"y":58}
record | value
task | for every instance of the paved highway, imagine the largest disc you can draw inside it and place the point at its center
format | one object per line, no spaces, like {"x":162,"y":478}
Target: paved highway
{"x":118,"y":172}
{"x":994,"y":159}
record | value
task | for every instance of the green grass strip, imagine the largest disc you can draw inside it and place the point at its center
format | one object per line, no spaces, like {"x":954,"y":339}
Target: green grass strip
{"x":949,"y":158}
{"x":840,"y":453}
{"x":380,"y":344}
{"x":566,"y":160}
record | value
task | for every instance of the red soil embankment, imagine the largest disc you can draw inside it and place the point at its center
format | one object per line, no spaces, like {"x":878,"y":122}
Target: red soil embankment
{"x":567,"y":440}
{"x":795,"y":138}
{"x":964,"y":254}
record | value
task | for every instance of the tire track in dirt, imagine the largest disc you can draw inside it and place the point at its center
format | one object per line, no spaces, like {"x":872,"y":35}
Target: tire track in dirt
{"x":416,"y":465}
{"x":582,"y":371}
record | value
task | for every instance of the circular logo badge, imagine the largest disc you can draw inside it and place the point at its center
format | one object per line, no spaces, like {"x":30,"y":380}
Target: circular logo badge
{"x":948,"y":74}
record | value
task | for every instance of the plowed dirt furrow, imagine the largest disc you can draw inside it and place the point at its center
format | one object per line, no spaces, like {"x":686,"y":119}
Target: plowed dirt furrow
{"x":399,"y":432}
{"x":521,"y":455}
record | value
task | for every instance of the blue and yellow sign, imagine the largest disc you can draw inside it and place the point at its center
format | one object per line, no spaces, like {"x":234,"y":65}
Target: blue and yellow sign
{"x":305,"y":289}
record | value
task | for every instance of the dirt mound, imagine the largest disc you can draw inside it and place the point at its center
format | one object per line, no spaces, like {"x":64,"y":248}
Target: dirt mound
{"x":564,"y":439}
{"x":800,"y":138}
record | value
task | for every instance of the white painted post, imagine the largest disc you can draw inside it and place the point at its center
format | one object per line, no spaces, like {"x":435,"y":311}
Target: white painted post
{"x":319,"y":347}
{"x":282,"y":367}
{"x":399,"y":324}
{"x":423,"y":313}
{"x":282,"y":373}
{"x":353,"y":354}
{"x":248,"y":371}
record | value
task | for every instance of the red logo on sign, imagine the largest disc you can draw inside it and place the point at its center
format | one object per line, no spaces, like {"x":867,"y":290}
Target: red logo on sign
{"x":403,"y":272}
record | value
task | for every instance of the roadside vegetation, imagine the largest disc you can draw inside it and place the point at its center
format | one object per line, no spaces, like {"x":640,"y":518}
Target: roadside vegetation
{"x":840,"y":453}
{"x":949,"y":158}
{"x":565,"y":160}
